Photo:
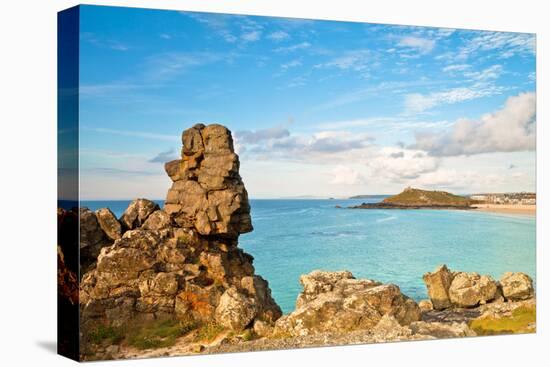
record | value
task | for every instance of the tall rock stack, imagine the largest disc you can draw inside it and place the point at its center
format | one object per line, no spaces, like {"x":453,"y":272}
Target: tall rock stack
{"x":182,"y":261}
{"x":208,"y":194}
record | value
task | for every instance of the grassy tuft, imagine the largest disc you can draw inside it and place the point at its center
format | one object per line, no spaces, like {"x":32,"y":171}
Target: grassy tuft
{"x":159,"y":334}
{"x":208,"y":332}
{"x":248,"y":335}
{"x":517,"y":323}
{"x":106,"y":334}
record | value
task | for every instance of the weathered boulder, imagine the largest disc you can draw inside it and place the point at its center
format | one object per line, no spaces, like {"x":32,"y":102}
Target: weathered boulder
{"x":137,"y":212}
{"x":207,"y":193}
{"x":438,"y":283}
{"x":109,"y":223}
{"x":336,"y":302}
{"x":159,"y":219}
{"x":341,"y":282}
{"x":258,"y":288}
{"x":516,"y":286}
{"x":92,"y":238}
{"x":472,"y":289}
{"x":442,"y":330}
{"x":425,"y":305}
{"x":389,"y":329}
{"x":235,"y":310}
{"x":262,"y":328}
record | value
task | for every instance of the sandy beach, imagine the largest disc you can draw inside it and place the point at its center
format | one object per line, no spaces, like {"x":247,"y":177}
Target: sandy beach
{"x":507,"y":209}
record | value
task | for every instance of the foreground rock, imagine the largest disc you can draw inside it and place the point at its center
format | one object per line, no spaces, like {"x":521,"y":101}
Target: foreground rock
{"x":181,"y":261}
{"x":472,"y":289}
{"x":92,"y":239}
{"x":109,"y":223}
{"x":517,"y":286}
{"x":438,"y":283}
{"x":337,"y":302}
{"x":137,"y":212}
{"x":448,"y":289}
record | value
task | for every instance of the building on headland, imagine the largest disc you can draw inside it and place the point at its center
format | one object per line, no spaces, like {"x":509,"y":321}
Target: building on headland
{"x":510,"y":198}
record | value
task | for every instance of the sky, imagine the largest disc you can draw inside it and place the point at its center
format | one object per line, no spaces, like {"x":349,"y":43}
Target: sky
{"x":316,"y":108}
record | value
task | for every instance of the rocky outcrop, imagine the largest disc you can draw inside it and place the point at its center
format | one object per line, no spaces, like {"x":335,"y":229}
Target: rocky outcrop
{"x":207,"y":193}
{"x":438,"y":283}
{"x":182,"y":261}
{"x":517,"y":286}
{"x":448,"y":289}
{"x":137,"y":212}
{"x":337,"y":302}
{"x":109,"y":223}
{"x":472,"y":289}
{"x":92,"y":238}
{"x":441,"y":330}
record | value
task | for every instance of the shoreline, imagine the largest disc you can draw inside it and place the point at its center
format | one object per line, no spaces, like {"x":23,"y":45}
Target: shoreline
{"x":529,"y":210}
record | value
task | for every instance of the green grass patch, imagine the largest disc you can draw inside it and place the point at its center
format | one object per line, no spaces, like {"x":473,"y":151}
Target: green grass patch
{"x":106,"y":334}
{"x":159,"y":334}
{"x":517,"y":323}
{"x":208,"y":332}
{"x":150,"y":335}
{"x":248,"y":335}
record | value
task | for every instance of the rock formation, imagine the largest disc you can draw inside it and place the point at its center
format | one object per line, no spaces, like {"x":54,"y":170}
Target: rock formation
{"x":181,"y":261}
{"x":517,"y":286}
{"x":472,"y":289}
{"x":337,"y":302}
{"x":448,"y":289}
{"x":438,"y":283}
{"x":208,"y":194}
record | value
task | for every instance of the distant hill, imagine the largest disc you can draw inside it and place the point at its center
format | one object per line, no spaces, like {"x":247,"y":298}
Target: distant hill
{"x":412,"y":198}
{"x":417,"y":197}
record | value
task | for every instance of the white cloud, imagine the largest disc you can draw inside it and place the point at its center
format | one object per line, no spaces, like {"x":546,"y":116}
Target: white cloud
{"x":169,"y":64}
{"x":492,"y":72}
{"x":279,"y":144}
{"x":508,"y":44}
{"x":257,"y":136}
{"x":456,"y":68}
{"x":357,"y":60}
{"x":345,"y":175}
{"x":417,"y":102}
{"x":509,"y":129}
{"x":251,"y":36}
{"x":291,"y":64}
{"x":292,"y":48}
{"x":278,"y":36}
{"x":402,"y":164}
{"x":423,"y":45}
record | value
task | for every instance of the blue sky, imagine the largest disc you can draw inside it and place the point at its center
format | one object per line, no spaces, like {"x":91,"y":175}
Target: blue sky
{"x":317,"y":108}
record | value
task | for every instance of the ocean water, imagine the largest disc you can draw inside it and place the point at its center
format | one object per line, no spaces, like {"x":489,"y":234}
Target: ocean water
{"x":294,"y":237}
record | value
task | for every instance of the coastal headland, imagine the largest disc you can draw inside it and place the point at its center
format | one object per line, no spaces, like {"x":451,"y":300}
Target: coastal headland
{"x":412,"y":198}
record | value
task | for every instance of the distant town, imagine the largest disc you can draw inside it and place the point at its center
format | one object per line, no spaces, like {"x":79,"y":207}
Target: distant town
{"x":512,"y":198}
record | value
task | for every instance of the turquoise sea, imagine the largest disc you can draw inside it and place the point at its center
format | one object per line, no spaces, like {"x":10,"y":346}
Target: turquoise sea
{"x":294,"y":237}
